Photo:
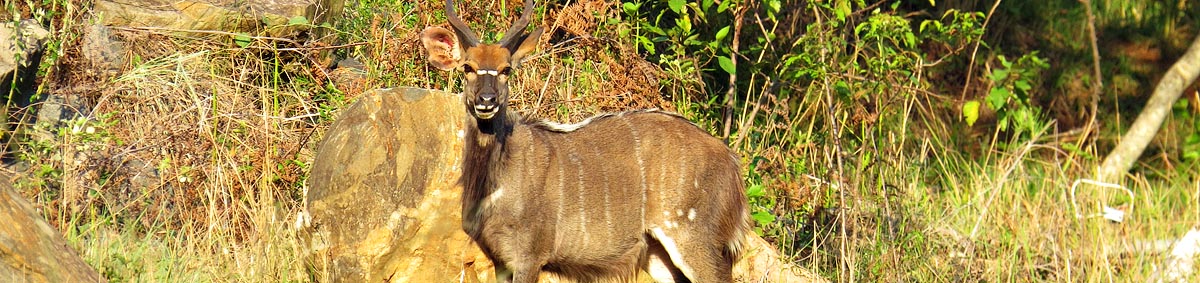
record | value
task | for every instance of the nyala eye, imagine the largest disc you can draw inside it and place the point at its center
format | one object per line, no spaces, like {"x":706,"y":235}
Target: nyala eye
{"x":505,"y":71}
{"x":468,"y":69}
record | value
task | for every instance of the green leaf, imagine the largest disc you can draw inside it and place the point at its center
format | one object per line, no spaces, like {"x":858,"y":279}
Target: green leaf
{"x":684,"y":24}
{"x":722,"y":33}
{"x":999,"y":75}
{"x":774,"y":5}
{"x":655,"y":30}
{"x":970,"y":112}
{"x":726,"y":64}
{"x":724,"y":6}
{"x":841,"y":10}
{"x":676,"y":5}
{"x":298,"y":20}
{"x":1191,"y":155}
{"x":242,"y":39}
{"x":1022,"y":85}
{"x":842,"y":88}
{"x":631,"y":8}
{"x":755,"y":191}
{"x":998,"y":97}
{"x":762,"y":217}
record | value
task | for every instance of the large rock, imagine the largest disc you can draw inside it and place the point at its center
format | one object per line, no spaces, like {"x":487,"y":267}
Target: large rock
{"x":32,"y":251}
{"x":385,"y":206}
{"x":21,"y":46}
{"x":224,"y":15}
{"x":382,"y":192}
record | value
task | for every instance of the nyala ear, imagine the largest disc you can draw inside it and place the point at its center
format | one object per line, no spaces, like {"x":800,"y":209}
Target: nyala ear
{"x":528,"y":44}
{"x":445,"y":51}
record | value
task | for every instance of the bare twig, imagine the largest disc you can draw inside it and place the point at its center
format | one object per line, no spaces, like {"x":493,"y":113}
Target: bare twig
{"x":1098,"y":80}
{"x":732,"y":91}
{"x":971,"y":66}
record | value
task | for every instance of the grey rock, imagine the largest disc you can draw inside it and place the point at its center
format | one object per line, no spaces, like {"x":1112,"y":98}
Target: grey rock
{"x":21,"y":47}
{"x":55,"y":109}
{"x":102,"y":50}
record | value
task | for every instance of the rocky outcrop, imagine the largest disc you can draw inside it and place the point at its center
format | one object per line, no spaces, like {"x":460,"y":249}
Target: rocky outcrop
{"x":224,"y":15}
{"x":32,"y":251}
{"x":22,"y":44}
{"x":383,"y":204}
{"x":21,"y":47}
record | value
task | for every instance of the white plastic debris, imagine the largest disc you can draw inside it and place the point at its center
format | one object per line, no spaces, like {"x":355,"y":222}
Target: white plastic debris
{"x":1114,"y":214}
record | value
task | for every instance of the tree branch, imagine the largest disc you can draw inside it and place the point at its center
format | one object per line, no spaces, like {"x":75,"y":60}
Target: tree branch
{"x":1183,"y":73}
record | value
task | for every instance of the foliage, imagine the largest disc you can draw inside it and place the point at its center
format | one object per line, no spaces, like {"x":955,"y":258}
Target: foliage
{"x":1011,"y":93}
{"x":1191,"y":142}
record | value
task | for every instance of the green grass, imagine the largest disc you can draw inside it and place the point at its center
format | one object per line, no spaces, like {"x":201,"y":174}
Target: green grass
{"x":852,"y":133}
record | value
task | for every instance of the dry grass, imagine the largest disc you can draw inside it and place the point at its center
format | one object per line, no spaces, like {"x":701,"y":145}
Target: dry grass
{"x":190,"y":164}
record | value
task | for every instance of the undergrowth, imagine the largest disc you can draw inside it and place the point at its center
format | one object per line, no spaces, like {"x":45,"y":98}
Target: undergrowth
{"x":882,"y":141}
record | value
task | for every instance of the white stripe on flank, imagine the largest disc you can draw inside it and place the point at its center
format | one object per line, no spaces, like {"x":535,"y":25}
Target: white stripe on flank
{"x":637,"y":153}
{"x":562,"y":189}
{"x":566,"y":128}
{"x":583,"y":223}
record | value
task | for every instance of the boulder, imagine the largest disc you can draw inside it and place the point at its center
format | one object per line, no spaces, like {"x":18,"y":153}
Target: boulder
{"x":21,"y":46}
{"x":383,"y":203}
{"x":31,"y":250}
{"x":224,"y":15}
{"x":382,"y":196}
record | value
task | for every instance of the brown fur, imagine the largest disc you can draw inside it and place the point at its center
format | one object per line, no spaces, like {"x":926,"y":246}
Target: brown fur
{"x":592,"y":201}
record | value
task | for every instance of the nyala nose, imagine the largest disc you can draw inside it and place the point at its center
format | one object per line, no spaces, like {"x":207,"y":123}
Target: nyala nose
{"x":487,"y":97}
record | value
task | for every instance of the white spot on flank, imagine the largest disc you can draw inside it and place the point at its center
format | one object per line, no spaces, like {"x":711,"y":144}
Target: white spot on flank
{"x":691,"y":214}
{"x":673,"y":251}
{"x":496,"y":195}
{"x":679,"y":213}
